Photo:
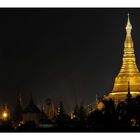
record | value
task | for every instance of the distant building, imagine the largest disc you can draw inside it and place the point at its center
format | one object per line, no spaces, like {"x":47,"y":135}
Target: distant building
{"x":48,"y":108}
{"x":31,"y":113}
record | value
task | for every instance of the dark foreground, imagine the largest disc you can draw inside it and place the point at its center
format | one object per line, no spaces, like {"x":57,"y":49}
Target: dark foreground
{"x":69,"y":129}
{"x":107,"y":117}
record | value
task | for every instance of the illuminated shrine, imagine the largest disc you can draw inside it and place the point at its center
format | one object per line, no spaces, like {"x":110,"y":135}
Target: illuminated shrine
{"x":128,"y":72}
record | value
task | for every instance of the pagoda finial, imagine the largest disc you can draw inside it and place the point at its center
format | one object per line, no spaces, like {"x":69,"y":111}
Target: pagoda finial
{"x":129,"y":94}
{"x":128,"y":26}
{"x":128,"y":86}
{"x":128,"y":14}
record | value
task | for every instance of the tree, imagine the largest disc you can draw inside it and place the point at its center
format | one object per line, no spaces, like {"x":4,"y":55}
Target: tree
{"x":82,"y":114}
{"x":62,"y":118}
{"x":17,"y":113}
{"x":76,"y":112}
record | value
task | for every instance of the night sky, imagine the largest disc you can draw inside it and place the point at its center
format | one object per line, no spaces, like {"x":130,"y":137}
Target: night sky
{"x":67,"y":55}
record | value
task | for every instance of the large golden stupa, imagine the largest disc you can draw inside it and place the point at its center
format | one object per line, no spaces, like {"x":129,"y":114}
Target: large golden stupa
{"x":129,"y":71}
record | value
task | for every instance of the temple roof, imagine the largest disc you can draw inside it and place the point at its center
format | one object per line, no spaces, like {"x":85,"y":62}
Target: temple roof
{"x":31,"y":107}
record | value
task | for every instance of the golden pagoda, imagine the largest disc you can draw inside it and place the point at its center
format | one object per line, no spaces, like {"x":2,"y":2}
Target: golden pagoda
{"x":129,"y":71}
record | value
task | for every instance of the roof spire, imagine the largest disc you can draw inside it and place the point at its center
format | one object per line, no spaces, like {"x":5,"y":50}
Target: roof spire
{"x":128,"y":87}
{"x":128,"y":26}
{"x":129,"y":94}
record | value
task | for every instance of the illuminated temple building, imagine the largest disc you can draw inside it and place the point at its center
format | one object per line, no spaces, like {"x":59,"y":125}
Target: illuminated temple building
{"x":128,"y":72}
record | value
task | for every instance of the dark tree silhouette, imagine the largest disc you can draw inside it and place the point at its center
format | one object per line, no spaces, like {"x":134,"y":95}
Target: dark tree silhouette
{"x":62,"y":118}
{"x":82,"y":114}
{"x":76,"y":111}
{"x":17,"y":113}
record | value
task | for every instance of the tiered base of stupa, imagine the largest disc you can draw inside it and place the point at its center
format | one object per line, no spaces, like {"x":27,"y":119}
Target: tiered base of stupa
{"x":121,"y":96}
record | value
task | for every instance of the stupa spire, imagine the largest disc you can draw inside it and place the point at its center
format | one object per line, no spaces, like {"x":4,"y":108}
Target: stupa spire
{"x":128,"y":26}
{"x":129,"y":93}
{"x":129,"y":66}
{"x":129,"y":71}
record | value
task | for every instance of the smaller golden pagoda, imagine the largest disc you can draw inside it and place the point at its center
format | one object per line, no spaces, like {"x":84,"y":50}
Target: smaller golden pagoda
{"x":129,"y":71}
